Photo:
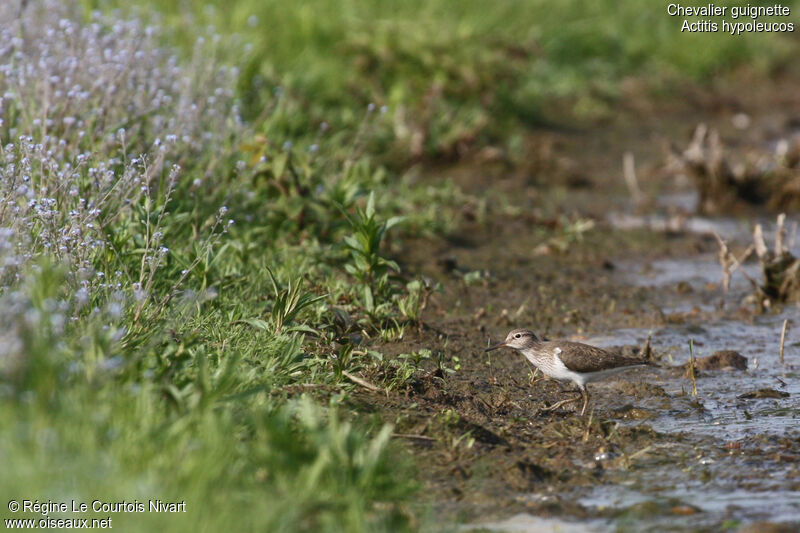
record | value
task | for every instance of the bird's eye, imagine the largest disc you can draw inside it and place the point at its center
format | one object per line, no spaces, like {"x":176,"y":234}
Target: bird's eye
{"x":518,"y":335}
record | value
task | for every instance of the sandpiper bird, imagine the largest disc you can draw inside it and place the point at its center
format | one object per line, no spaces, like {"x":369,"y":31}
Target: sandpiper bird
{"x":568,"y":361}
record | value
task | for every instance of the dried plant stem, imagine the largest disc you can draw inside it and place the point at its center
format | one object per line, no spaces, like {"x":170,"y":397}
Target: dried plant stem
{"x":780,"y":235}
{"x":691,"y":368}
{"x":783,"y":341}
{"x":730,"y":263}
{"x":647,"y":350}
{"x":587,"y":432}
{"x":629,"y":173}
{"x":409,"y":436}
{"x":359,"y":381}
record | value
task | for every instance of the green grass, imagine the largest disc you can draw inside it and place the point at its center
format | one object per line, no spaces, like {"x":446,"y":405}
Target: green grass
{"x":150,"y":349}
{"x":459,"y":75}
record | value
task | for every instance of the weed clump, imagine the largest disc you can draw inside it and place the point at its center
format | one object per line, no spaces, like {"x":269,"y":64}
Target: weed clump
{"x":144,"y":337}
{"x":760,"y":178}
{"x":780,"y":269}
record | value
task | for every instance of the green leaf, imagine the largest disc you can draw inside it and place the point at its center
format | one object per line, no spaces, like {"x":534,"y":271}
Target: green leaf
{"x":279,"y":165}
{"x":352,"y":242}
{"x":369,"y":302}
{"x":274,"y":283}
{"x":392,"y":264}
{"x":302,"y":328}
{"x":256,"y":323}
{"x":394,"y":221}
{"x":371,"y":205}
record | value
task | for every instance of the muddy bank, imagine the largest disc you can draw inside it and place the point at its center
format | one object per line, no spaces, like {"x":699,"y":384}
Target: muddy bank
{"x":491,"y":451}
{"x":650,"y":454}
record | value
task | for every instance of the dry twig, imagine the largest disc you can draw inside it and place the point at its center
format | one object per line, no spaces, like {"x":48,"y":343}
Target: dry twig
{"x":783,"y":341}
{"x":629,"y":173}
{"x":364,"y":383}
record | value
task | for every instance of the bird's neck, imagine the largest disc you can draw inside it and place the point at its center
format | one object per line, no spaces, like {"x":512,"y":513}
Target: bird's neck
{"x":534,"y":346}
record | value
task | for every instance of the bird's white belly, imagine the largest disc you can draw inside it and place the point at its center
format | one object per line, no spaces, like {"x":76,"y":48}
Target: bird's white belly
{"x":552,"y":367}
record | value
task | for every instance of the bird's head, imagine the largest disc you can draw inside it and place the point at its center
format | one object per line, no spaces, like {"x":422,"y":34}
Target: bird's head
{"x":519,"y":339}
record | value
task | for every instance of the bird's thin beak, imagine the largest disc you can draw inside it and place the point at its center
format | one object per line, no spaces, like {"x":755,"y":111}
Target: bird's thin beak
{"x":496,"y":346}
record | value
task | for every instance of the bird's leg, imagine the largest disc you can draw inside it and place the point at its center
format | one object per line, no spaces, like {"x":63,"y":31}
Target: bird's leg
{"x":533,"y":379}
{"x":532,"y":376}
{"x":562,"y":402}
{"x":585,"y":394}
{"x":550,"y":380}
{"x":559,"y":404}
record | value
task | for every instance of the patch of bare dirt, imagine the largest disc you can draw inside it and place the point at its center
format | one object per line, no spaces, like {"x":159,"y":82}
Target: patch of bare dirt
{"x":480,"y":435}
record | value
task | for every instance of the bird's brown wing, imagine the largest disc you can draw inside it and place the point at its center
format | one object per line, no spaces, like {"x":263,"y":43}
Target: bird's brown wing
{"x":580,"y":357}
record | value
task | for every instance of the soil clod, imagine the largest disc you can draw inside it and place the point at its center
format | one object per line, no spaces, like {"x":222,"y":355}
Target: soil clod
{"x":763,"y":393}
{"x":722,"y":360}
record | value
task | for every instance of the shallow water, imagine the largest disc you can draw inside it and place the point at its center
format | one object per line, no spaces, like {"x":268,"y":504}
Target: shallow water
{"x":653,"y":508}
{"x":723,"y":414}
{"x":525,"y":523}
{"x":697,"y":272}
{"x":730,"y":229}
{"x":721,"y":484}
{"x":729,"y":462}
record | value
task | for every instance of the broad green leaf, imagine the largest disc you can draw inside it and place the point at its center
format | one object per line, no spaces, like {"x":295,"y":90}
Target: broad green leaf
{"x":394,"y":221}
{"x":371,"y":205}
{"x":256,"y":323}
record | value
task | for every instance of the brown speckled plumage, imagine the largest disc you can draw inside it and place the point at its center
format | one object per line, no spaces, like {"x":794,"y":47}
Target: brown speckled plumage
{"x":568,"y":361}
{"x":579,"y":357}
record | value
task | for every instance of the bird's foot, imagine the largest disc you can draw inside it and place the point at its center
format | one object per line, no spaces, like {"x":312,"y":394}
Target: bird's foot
{"x":559,"y":404}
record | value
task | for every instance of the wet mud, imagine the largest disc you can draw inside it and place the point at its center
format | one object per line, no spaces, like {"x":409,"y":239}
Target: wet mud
{"x":659,"y":449}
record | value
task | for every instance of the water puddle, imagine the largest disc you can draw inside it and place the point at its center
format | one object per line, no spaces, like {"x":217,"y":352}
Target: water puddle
{"x":691,"y":505}
{"x":721,"y":413}
{"x":730,"y":229}
{"x":733,"y":460}
{"x":727,"y":228}
{"x":683,"y":201}
{"x":697,"y":272}
{"x":525,"y":523}
{"x":730,"y":465}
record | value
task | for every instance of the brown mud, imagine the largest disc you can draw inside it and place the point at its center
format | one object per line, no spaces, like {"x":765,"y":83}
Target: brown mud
{"x":485,"y":448}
